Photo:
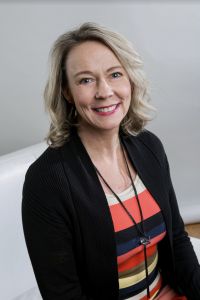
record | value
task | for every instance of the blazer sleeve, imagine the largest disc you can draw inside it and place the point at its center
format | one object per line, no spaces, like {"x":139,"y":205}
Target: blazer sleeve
{"x":187,"y":267}
{"x":49,"y":240}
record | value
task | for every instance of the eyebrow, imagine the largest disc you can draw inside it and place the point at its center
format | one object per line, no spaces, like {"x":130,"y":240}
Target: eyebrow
{"x":89,"y":72}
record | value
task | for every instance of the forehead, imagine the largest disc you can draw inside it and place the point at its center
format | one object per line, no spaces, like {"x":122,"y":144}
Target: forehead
{"x":90,"y":54}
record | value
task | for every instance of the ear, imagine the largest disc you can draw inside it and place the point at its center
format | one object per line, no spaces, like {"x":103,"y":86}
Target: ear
{"x":67,"y":95}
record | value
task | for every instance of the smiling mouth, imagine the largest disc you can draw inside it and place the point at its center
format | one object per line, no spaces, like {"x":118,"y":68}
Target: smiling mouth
{"x":106,"y":109}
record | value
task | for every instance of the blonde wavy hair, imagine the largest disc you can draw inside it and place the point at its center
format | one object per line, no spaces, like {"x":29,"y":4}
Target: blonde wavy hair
{"x":62,"y":113}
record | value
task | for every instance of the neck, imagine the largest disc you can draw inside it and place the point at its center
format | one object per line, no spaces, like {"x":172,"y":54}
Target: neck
{"x":102,"y":145}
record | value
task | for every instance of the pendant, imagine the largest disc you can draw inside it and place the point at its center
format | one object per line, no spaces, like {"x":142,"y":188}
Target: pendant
{"x":145,"y":240}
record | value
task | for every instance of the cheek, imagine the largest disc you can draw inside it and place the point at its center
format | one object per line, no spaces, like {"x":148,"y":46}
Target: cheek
{"x":82,"y":97}
{"x":78,"y":99}
{"x":125,"y":86}
{"x":126,"y":90}
{"x":81,"y":102}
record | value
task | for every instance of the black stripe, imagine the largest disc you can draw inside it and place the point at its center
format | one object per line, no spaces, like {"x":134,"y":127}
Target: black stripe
{"x":138,"y":287}
{"x":131,"y":232}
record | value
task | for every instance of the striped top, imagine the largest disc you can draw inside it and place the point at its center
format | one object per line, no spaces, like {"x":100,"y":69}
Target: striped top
{"x":130,"y":254}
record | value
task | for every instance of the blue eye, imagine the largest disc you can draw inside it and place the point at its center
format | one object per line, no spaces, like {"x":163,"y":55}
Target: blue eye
{"x":85,"y":80}
{"x":116,"y":74}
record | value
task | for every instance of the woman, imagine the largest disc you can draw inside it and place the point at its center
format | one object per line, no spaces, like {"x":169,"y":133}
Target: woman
{"x":100,"y":215}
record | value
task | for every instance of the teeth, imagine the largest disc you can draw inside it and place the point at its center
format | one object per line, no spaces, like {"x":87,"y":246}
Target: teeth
{"x":106,"y":109}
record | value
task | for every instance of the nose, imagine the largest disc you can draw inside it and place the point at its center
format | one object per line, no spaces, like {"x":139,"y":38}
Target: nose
{"x":104,"y":90}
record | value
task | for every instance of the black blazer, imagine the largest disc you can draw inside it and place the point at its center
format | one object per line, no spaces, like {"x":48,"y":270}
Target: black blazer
{"x":68,"y":226}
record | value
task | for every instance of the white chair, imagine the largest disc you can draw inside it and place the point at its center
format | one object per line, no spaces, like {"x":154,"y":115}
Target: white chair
{"x":17,"y":280}
{"x":196,"y":245}
{"x":16,"y":274}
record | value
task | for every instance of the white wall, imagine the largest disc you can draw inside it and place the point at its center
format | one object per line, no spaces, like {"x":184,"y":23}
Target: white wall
{"x":166,"y":33}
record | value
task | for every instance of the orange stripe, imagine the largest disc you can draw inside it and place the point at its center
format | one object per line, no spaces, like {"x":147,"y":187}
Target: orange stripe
{"x":156,"y":288}
{"x":136,"y":260}
{"x":128,"y":255}
{"x":120,"y":218}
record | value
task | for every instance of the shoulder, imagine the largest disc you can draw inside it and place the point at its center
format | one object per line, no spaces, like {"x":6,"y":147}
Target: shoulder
{"x":148,"y":144}
{"x":45,"y":185}
{"x":150,"y":140}
{"x":43,"y":170}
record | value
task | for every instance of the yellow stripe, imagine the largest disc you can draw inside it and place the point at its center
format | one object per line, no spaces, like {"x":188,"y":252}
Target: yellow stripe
{"x":144,"y":293}
{"x":136,"y":269}
{"x":131,"y":280}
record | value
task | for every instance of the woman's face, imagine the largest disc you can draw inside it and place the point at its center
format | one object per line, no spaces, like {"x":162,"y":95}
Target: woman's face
{"x":98,"y":86}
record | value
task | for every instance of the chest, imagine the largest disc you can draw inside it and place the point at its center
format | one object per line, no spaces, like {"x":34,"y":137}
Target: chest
{"x":116,"y":176}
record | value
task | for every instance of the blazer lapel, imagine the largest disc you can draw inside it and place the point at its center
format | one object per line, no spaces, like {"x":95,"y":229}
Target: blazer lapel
{"x":93,"y":215}
{"x":150,"y":171}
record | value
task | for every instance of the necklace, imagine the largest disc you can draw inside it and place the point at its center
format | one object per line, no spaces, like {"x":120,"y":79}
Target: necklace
{"x":143,"y":238}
